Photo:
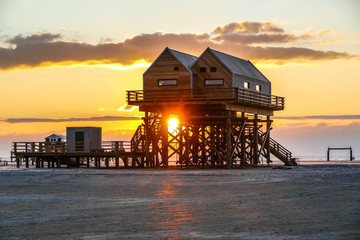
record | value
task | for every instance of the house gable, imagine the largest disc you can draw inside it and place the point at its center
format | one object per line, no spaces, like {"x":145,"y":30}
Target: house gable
{"x":171,"y":66}
{"x":208,"y":67}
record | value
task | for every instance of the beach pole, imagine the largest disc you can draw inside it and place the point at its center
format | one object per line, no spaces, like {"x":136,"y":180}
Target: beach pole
{"x":328,"y":154}
{"x":351,"y":154}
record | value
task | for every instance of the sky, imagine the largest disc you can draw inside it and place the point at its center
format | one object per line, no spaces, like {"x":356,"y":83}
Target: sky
{"x":69,"y":63}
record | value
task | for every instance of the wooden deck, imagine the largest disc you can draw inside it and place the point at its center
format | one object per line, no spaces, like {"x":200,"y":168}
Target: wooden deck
{"x":237,"y":96}
{"x":112,"y":154}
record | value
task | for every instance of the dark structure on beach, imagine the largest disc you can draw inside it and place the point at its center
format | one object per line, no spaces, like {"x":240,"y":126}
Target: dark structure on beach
{"x":222,"y":104}
{"x":224,"y":107}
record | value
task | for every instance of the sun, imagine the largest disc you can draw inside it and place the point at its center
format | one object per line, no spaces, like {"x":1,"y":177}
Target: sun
{"x":173,"y":124}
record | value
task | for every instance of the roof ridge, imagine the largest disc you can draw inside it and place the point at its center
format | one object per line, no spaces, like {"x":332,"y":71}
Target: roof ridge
{"x":216,"y":51}
{"x":170,"y":49}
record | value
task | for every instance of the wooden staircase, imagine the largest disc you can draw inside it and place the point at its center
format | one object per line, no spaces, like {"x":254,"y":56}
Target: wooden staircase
{"x":278,"y":150}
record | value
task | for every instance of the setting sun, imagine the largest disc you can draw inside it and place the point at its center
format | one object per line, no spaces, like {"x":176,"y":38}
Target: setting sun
{"x":173,"y":124}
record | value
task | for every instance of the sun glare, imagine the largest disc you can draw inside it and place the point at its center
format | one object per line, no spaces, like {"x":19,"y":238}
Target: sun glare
{"x":173,"y":124}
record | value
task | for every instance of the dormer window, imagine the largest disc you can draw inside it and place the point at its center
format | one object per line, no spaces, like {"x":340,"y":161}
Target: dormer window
{"x":176,"y":68}
{"x":258,"y":87}
{"x":212,"y":69}
{"x":202,"y":69}
{"x":246,"y":85}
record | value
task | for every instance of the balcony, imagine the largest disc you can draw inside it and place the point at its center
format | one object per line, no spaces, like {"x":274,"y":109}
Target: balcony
{"x":238,"y":96}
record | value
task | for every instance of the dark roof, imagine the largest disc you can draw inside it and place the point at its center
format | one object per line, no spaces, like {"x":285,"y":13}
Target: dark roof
{"x":238,"y":65}
{"x":185,"y":59}
{"x":56,"y":136}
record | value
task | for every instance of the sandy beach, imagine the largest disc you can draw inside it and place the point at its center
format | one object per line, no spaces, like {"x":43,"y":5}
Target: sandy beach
{"x":305,"y":202}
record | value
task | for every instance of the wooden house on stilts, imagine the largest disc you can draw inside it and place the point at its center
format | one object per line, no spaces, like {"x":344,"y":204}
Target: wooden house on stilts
{"x":224,"y":107}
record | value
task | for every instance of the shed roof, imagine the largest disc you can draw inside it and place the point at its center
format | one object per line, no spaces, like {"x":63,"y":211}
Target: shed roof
{"x":238,"y":65}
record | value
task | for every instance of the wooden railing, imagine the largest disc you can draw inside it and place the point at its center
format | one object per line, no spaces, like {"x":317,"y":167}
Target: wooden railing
{"x":62,"y":147}
{"x":278,"y":150}
{"x":233,"y":95}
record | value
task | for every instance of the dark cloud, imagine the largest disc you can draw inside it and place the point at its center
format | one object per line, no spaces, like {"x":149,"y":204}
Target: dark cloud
{"x":234,"y":38}
{"x":247,"y":27}
{"x":334,"y":117}
{"x":261,"y":38}
{"x":33,"y":39}
{"x":91,"y":119}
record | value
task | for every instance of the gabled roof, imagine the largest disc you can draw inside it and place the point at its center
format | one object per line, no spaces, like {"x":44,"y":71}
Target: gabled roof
{"x":238,"y":65}
{"x":56,"y":136}
{"x":185,"y":59}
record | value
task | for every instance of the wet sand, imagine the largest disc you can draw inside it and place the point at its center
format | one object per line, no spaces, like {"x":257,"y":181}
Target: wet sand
{"x":304,"y":202}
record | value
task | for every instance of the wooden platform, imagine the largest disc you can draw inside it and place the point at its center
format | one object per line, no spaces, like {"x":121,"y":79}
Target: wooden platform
{"x":112,"y":154}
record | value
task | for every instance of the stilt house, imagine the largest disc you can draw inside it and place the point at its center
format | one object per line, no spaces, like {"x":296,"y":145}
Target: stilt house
{"x":223,"y":104}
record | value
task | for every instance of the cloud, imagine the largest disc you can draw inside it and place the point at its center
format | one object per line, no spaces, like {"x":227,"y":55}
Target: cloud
{"x":327,"y":117}
{"x":33,"y":39}
{"x":100,"y":119}
{"x":237,"y":38}
{"x":318,"y":42}
{"x":128,"y":108}
{"x":247,"y":27}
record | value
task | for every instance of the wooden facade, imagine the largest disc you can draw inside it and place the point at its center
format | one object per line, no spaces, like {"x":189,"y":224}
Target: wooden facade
{"x":167,"y":67}
{"x":209,"y":62}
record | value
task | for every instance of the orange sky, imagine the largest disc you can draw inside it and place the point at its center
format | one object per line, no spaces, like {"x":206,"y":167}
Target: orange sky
{"x":52,"y":69}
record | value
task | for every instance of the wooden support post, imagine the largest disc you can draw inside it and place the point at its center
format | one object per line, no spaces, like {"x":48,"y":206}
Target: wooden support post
{"x":116,"y":154}
{"x":58,"y":162}
{"x":267,"y":143}
{"x":48,"y":163}
{"x":243,"y":145}
{"x":187,"y":147}
{"x":255,"y":144}
{"x":88,"y":162}
{"x":40,"y":147}
{"x":203,"y":150}
{"x":212,"y":145}
{"x":228,"y":140}
{"x":77,"y":162}
{"x":351,"y":157}
{"x":27,"y":162}
{"x":17,"y":162}
{"x":164,"y":141}
{"x":106,"y":162}
{"x":147,"y":140}
{"x":42,"y":163}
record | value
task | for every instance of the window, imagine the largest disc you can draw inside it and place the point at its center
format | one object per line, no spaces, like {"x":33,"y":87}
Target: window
{"x":258,"y":87}
{"x":203,"y":69}
{"x":167,"y":82}
{"x":212,"y":69}
{"x":214,"y":82}
{"x":176,"y":68}
{"x":247,"y":85}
